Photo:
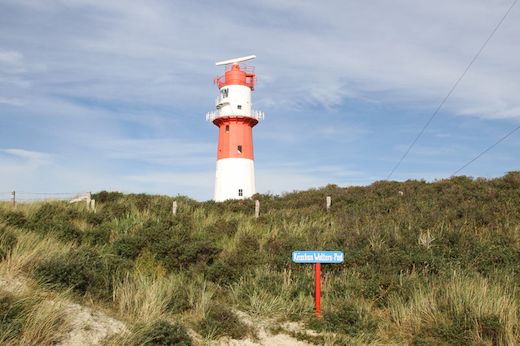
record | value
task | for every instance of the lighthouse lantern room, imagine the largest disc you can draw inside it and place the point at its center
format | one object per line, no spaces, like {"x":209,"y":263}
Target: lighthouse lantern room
{"x":235,"y":176}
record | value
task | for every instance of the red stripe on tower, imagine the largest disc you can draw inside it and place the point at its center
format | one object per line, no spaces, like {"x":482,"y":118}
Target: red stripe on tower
{"x":235,"y":174}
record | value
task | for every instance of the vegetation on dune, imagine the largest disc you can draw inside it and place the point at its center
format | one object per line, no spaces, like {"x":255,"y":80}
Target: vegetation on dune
{"x":164,"y":333}
{"x":426,"y":263}
{"x":30,"y":321}
{"x":221,"y":321}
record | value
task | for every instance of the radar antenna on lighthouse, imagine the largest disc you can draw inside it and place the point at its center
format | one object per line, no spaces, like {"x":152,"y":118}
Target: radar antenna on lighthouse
{"x":235,"y":60}
{"x":235,"y":173}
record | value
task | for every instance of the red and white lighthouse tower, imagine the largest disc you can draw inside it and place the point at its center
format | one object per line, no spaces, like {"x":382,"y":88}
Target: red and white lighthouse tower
{"x":235,"y":176}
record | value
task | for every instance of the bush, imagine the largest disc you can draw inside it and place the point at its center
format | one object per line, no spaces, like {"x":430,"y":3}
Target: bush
{"x":222,"y":273}
{"x":128,"y":247}
{"x":177,"y":249}
{"x":107,"y":197}
{"x":180,"y":301}
{"x":97,"y":236}
{"x":221,"y":321}
{"x":222,"y":227}
{"x":346,"y":318}
{"x":82,"y":270}
{"x":15,"y":219}
{"x":8,"y":241}
{"x":95,"y":219}
{"x":68,"y":233}
{"x":164,"y":333}
{"x":56,"y":218}
{"x":116,"y":211}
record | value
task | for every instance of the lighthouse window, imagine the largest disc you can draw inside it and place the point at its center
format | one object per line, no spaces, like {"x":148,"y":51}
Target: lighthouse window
{"x":240,"y":193}
{"x":239,"y":106}
{"x":227,"y":128}
{"x":225,"y":93}
{"x":239,"y":149}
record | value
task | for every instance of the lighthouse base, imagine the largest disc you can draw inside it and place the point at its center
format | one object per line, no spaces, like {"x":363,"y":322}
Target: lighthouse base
{"x":235,"y":179}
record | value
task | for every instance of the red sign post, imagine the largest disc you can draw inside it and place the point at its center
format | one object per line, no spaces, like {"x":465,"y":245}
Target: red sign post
{"x":317,"y":292}
{"x":318,"y":257}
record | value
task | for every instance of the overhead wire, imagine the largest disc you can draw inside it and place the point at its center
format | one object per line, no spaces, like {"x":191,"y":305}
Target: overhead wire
{"x":441,"y":104}
{"x":479,"y":155}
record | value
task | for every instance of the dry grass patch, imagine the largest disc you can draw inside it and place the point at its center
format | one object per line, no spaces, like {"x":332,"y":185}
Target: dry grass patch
{"x":31,"y":248}
{"x":463,"y":310}
{"x":31,"y":320}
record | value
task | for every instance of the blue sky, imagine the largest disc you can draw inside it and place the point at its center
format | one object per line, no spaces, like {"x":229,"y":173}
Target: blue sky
{"x":113,"y":94}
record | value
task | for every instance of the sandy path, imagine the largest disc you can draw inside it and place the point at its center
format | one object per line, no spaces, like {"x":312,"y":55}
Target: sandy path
{"x":90,"y":326}
{"x":264,"y":336}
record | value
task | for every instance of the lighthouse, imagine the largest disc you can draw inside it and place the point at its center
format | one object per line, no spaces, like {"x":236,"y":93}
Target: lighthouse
{"x":235,"y":119}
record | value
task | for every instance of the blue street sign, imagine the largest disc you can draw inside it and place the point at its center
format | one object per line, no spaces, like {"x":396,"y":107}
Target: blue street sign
{"x":318,"y":256}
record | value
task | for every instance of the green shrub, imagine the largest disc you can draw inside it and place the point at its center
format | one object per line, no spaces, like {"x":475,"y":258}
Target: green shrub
{"x":129,"y":246}
{"x":178,"y":249}
{"x":457,"y":331}
{"x":178,"y":255}
{"x":114,"y":211}
{"x":141,"y":201}
{"x":222,"y":227}
{"x":83,"y":271}
{"x":222,"y":273}
{"x":165,"y":333}
{"x":96,"y":236}
{"x":15,"y":219}
{"x":68,"y":233}
{"x":221,"y":321}
{"x":346,"y":318}
{"x":107,"y":197}
{"x":95,"y":219}
{"x":180,"y":301}
{"x":278,"y":248}
{"x":8,"y":240}
{"x":55,"y":218}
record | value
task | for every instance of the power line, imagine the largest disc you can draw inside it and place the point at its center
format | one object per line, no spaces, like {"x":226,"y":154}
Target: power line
{"x":451,"y":90}
{"x":486,"y":150}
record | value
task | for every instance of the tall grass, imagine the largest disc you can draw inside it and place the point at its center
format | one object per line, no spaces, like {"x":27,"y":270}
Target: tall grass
{"x":464,"y":309}
{"x":30,"y":320}
{"x":142,"y":298}
{"x":396,"y":286}
{"x":272,"y":294}
{"x":31,"y":248}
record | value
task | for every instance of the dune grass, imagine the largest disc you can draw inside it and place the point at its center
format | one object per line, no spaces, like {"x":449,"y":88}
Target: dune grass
{"x":426,"y":263}
{"x":30,"y":320}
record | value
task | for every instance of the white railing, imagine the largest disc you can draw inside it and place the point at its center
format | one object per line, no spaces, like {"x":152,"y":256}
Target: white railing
{"x":258,"y":115}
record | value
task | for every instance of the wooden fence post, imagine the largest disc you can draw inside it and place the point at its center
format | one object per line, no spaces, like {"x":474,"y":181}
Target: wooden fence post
{"x":328,"y":203}
{"x":93,"y":205}
{"x":13,"y":198}
{"x":89,"y":197}
{"x":174,"y":208}
{"x":257,"y":209}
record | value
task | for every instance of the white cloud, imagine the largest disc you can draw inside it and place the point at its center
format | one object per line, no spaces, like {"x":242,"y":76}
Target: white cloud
{"x":11,"y":101}
{"x":412,"y":51}
{"x":11,"y":59}
{"x":159,"y":150}
{"x":27,"y":157}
